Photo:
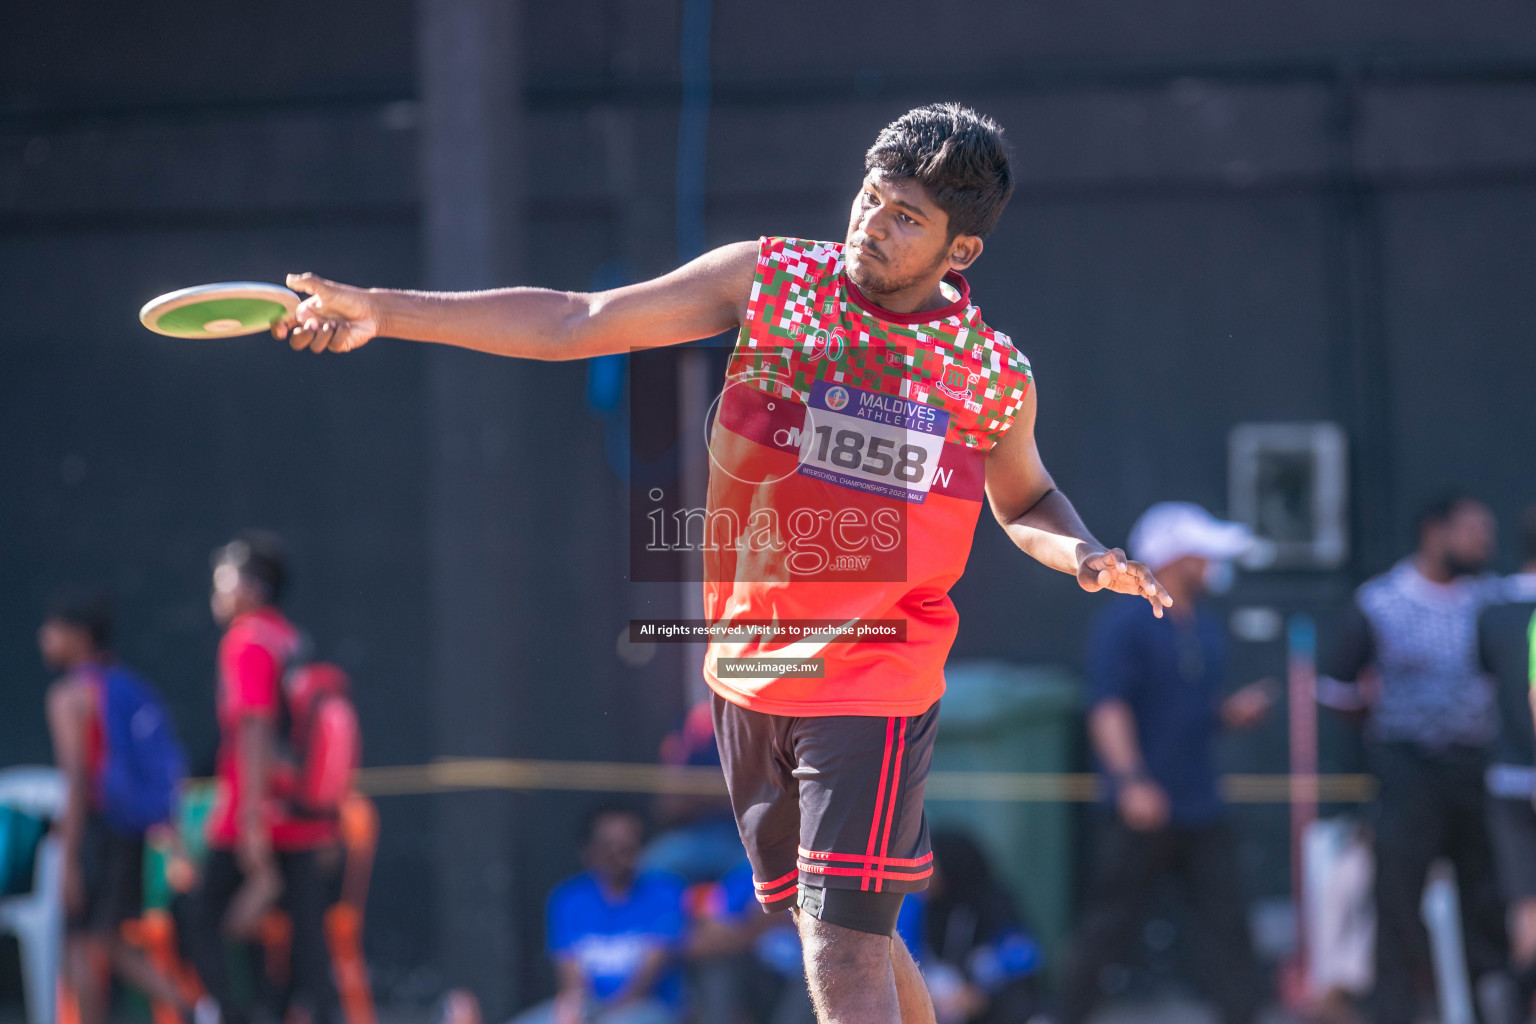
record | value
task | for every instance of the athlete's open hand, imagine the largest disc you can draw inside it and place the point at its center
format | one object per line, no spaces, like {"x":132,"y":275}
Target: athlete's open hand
{"x":1111,"y":570}
{"x":336,"y":316}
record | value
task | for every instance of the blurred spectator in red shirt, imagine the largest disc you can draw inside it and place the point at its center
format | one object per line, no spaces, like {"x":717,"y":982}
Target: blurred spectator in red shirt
{"x":259,"y":852}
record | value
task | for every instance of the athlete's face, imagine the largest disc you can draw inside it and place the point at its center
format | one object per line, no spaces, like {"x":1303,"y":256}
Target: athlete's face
{"x":898,"y":239}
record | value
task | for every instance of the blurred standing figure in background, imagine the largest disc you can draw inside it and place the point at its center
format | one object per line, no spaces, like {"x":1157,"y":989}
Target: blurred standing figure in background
{"x":1431,"y":721}
{"x":243,"y":876}
{"x":103,"y":860}
{"x":1155,"y":687}
{"x":1504,"y":640}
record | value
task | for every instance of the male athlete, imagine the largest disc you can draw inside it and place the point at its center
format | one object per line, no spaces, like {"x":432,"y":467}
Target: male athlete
{"x":866,"y":410}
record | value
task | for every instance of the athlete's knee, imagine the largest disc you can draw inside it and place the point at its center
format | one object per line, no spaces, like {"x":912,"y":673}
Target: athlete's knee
{"x":841,"y":962}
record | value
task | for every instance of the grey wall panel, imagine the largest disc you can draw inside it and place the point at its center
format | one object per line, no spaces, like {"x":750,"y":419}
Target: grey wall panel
{"x":903,"y":39}
{"x":76,"y":54}
{"x":1457,"y":287}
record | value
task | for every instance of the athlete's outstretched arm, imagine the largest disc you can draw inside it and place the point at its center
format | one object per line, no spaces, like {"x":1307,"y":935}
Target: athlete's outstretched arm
{"x":1045,"y":526}
{"x":697,"y":300}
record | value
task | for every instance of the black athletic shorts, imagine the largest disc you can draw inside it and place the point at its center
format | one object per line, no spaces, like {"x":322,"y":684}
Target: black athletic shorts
{"x":112,"y":875}
{"x":834,"y":802}
{"x":1512,"y":826}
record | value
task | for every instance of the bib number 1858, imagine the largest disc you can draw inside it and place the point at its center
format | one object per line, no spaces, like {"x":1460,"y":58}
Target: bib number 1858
{"x":876,"y":456}
{"x":872,"y":442}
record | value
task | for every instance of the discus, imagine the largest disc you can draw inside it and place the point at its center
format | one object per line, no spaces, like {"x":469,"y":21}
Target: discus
{"x":225,"y":310}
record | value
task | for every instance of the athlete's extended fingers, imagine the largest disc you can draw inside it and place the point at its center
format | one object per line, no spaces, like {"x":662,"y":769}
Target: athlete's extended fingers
{"x":346,"y":338}
{"x":326,"y":340}
{"x":319,"y":337}
{"x":311,"y":308}
{"x":1111,"y":562}
{"x":1151,"y":589}
{"x":1115,"y":558}
{"x":306,"y":283}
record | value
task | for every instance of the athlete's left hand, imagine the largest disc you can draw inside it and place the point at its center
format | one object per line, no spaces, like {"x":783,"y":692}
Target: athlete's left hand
{"x":1111,"y":570}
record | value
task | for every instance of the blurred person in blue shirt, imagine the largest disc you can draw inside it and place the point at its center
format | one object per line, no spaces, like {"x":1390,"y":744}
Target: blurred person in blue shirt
{"x":1156,"y":693}
{"x":744,"y":963}
{"x":977,"y":956}
{"x":614,"y":933}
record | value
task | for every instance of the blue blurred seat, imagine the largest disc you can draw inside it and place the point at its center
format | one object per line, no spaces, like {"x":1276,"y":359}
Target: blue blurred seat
{"x":37,"y":918}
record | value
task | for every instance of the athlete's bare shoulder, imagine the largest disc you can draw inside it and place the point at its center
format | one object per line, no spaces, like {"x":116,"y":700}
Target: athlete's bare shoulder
{"x":730,"y":270}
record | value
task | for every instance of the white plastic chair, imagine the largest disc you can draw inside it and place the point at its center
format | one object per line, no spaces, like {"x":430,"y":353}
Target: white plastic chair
{"x":37,"y":918}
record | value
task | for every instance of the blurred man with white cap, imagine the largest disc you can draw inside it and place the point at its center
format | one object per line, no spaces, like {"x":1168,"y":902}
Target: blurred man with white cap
{"x":1156,"y":705}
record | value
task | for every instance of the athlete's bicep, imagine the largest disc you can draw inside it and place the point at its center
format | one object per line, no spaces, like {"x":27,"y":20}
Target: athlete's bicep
{"x":702,"y":298}
{"x":1016,"y":476}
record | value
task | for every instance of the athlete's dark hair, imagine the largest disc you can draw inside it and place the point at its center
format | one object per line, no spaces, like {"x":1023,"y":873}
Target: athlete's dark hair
{"x":959,"y":158}
{"x":85,"y":608}
{"x":1528,"y":532}
{"x":1439,"y":509}
{"x":260,"y":557}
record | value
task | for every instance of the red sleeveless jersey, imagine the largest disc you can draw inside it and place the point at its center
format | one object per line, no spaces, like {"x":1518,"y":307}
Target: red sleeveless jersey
{"x":848,"y":458}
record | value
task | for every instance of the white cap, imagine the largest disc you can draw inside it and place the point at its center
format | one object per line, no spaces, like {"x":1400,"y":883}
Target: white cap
{"x":1171,"y":530}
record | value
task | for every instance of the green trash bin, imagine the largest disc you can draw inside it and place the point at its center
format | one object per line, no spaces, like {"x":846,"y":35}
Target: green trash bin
{"x":998,"y":717}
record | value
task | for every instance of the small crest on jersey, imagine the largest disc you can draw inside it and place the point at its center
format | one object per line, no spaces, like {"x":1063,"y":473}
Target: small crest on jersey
{"x":955,"y":382}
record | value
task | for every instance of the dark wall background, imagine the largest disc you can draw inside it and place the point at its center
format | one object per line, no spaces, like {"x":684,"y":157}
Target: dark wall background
{"x":1226,"y":212}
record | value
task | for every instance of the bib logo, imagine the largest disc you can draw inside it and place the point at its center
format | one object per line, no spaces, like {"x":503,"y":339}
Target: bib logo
{"x":837,"y":399}
{"x":955,"y":382}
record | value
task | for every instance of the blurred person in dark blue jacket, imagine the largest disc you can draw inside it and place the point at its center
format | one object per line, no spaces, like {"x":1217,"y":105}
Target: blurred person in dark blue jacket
{"x":1156,"y":692}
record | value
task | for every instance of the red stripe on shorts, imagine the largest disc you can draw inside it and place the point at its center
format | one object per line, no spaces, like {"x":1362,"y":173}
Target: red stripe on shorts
{"x":885,"y":842}
{"x":890,"y":862}
{"x":775,"y":883}
{"x":885,"y":764}
{"x":879,"y":874}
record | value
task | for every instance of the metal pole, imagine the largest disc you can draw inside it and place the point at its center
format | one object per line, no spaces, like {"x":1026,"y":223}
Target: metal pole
{"x":1301,"y":690}
{"x":470,"y":69}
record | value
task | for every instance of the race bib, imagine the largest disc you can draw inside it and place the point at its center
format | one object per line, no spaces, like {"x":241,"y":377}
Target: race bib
{"x":883,"y":444}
